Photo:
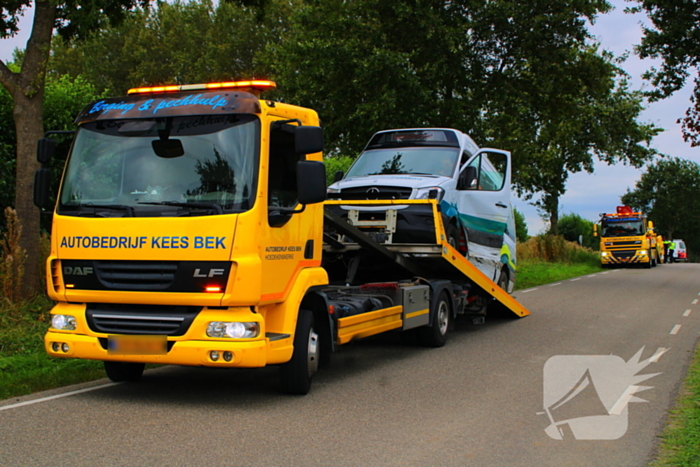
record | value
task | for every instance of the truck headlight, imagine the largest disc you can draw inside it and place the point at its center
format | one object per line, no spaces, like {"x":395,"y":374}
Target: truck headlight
{"x":643,"y":252}
{"x":424,"y":193}
{"x":604,"y":253}
{"x":233,"y":330}
{"x":63,"y":322}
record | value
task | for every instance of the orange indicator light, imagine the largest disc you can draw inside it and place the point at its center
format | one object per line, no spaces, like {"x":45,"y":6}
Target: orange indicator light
{"x":213,"y":288}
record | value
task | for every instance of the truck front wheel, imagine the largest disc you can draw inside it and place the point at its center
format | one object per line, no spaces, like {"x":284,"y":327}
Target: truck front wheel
{"x":124,"y":371}
{"x":296,"y":374}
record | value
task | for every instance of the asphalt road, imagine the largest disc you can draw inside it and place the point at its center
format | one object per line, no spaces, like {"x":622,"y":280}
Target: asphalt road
{"x":479,"y":401}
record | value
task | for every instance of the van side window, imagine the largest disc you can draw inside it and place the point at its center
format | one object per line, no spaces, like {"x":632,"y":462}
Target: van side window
{"x":492,"y":172}
{"x":282,"y":174}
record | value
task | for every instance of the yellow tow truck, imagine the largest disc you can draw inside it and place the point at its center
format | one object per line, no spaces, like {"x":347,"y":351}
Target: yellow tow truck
{"x":627,"y":238}
{"x":191,"y":228}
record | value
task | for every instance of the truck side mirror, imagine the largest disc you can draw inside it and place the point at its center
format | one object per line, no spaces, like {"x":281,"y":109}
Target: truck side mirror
{"x":650,"y":225}
{"x":42,"y":188}
{"x":308,"y":139}
{"x":311,"y":181}
{"x":595,"y":230}
{"x":45,"y":149}
{"x":468,"y":179}
{"x":338,"y":176}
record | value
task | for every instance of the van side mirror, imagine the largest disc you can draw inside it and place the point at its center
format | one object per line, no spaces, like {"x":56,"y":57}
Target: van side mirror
{"x":42,"y":188}
{"x":468,"y":179}
{"x":45,"y":149}
{"x":308,"y":139}
{"x":338,"y":176}
{"x":311,"y":181}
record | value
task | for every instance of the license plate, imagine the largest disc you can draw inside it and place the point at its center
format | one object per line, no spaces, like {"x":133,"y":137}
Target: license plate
{"x":137,"y":345}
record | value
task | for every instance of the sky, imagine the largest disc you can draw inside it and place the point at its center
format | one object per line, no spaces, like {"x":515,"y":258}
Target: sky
{"x":587,"y":194}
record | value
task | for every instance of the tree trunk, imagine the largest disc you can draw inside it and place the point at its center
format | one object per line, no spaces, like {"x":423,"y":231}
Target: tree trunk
{"x":27,"y":91}
{"x":29,"y":128}
{"x":553,"y":211}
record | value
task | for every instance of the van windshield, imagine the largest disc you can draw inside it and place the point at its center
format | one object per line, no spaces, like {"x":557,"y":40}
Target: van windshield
{"x":209,"y":166}
{"x":424,"y":160}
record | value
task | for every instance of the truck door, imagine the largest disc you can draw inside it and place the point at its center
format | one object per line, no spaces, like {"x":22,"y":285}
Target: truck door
{"x":287,"y":240}
{"x":484,"y":204}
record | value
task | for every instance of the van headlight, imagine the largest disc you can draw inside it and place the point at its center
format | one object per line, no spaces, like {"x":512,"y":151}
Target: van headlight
{"x":332,"y":190}
{"x":424,"y":193}
{"x":233,"y":330}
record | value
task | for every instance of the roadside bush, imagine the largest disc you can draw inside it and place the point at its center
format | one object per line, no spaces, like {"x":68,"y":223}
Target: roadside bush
{"x":554,"y":249}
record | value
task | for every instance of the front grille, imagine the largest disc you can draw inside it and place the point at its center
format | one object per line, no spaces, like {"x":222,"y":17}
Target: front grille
{"x":136,"y":275}
{"x":623,"y":244}
{"x":374,"y":192}
{"x":166,"y":320}
{"x":623,"y":253}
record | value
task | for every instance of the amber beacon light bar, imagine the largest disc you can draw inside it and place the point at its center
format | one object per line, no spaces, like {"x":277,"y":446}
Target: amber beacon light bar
{"x":250,"y":85}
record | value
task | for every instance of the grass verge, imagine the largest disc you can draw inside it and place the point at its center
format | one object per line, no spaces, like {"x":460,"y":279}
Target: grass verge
{"x":680,"y":441}
{"x":534,"y":273}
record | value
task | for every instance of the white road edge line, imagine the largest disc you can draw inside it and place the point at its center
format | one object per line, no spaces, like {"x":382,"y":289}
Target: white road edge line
{"x":528,"y":290}
{"x":675,"y":329}
{"x":57,"y":396}
{"x":606,"y":272}
{"x":657,"y":355}
{"x":694,"y":302}
{"x":687,"y":313}
{"x":552,"y":285}
{"x":577,"y":279}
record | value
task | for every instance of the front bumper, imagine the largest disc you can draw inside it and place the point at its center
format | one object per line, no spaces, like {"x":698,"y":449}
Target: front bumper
{"x":187,"y":352}
{"x":192,"y":347}
{"x":621,"y":258}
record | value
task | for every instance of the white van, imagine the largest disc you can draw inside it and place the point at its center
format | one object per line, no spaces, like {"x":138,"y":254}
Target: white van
{"x":472,"y":185}
{"x":679,"y":254}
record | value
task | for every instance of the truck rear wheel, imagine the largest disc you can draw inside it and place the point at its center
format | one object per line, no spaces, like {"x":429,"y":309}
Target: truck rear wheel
{"x":436,"y":335}
{"x":124,"y":371}
{"x":296,"y":374}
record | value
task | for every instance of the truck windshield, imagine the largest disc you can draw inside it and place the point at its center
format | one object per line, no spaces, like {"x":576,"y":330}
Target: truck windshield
{"x":622,"y":228}
{"x":210,"y":167}
{"x":425,"y":160}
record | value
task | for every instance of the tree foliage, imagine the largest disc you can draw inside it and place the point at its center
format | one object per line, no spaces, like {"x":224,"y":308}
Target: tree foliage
{"x":574,"y":227}
{"x":520,"y":226}
{"x":517,"y":75}
{"x":669,"y":193}
{"x":175,"y":43}
{"x":675,"y":39}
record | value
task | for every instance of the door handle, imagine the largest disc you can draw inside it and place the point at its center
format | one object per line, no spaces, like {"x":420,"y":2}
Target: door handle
{"x":501,"y":205}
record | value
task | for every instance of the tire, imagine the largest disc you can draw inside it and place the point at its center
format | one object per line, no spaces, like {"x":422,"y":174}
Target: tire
{"x":436,"y":335}
{"x":124,"y":371}
{"x":495,"y":308}
{"x":454,"y":236}
{"x":296,"y":374}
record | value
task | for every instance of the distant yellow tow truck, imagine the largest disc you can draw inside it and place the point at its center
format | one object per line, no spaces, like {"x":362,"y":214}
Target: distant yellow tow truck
{"x":627,"y":238}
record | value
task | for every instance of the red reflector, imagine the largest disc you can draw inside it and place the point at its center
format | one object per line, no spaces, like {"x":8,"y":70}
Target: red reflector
{"x":391,"y":286}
